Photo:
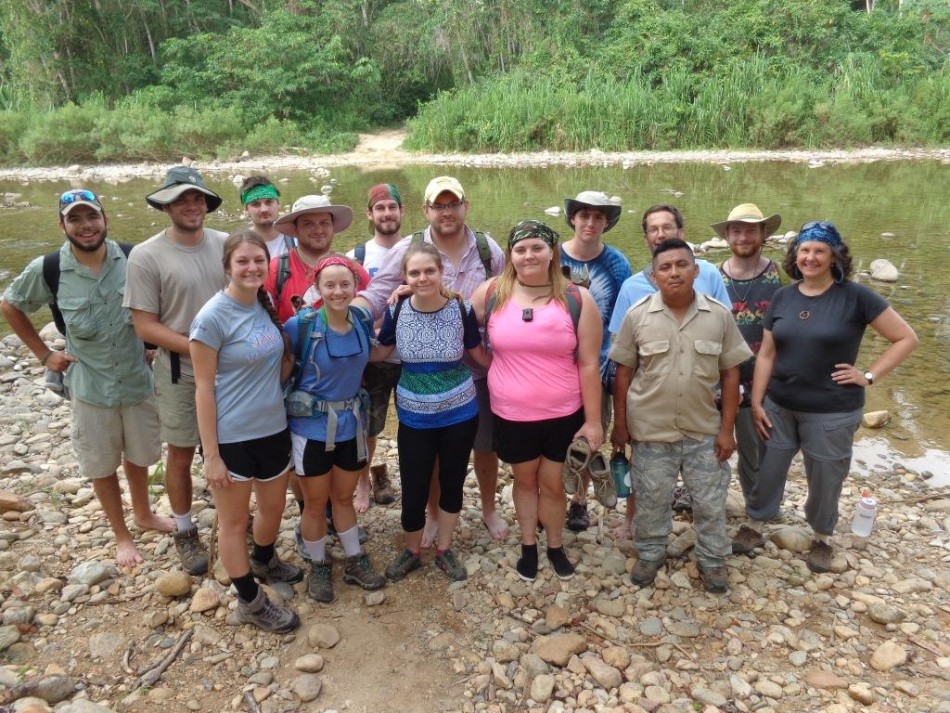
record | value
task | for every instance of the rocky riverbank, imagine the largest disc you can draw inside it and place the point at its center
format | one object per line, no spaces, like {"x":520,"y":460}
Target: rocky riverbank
{"x":79,"y":636}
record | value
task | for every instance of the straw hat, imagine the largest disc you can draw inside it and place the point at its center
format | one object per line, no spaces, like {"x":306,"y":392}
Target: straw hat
{"x":748,"y":213}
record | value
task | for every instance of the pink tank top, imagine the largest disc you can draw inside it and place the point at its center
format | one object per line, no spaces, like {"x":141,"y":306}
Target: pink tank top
{"x":533,"y":375}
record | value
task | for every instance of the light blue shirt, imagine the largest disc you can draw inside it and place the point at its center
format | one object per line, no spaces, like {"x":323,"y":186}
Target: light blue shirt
{"x":635,"y":288}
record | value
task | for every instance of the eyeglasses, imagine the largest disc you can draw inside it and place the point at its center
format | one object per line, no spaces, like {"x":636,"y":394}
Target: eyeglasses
{"x":70,"y":197}
{"x":661,"y":229}
{"x":442,"y":207}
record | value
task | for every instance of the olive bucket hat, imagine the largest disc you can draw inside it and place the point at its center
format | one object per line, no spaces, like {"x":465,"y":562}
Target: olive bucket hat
{"x":178,"y":180}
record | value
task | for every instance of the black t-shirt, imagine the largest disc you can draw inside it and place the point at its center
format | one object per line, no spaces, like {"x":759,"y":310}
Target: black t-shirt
{"x":811,"y":335}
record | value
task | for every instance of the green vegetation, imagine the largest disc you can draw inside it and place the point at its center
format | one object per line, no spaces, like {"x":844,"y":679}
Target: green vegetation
{"x":112,"y":80}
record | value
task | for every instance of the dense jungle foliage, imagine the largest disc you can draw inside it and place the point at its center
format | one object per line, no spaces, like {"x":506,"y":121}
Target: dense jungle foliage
{"x":119,"y":80}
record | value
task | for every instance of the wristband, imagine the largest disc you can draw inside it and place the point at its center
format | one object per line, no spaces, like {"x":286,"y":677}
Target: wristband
{"x":49,"y":353}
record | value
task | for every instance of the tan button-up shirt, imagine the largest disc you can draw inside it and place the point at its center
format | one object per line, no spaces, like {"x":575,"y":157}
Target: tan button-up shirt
{"x":676,"y":367}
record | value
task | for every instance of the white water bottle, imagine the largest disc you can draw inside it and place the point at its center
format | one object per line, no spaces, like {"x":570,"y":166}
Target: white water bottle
{"x":864,"y":515}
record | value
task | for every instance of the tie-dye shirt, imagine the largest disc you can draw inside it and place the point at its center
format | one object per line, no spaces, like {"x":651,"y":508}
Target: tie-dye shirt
{"x":750,"y":299}
{"x":604,"y":275}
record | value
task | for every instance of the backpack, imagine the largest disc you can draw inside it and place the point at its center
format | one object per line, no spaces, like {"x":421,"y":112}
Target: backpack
{"x":283,"y":273}
{"x":51,"y":272}
{"x":572,"y":295}
{"x":308,"y":331}
{"x":359,"y":253}
{"x":481,"y":242}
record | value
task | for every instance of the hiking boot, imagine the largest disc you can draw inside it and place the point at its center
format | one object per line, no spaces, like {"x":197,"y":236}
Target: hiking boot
{"x":819,"y":557}
{"x":452,"y":567}
{"x":194,"y":557}
{"x":406,"y":563}
{"x":746,"y":540}
{"x":715,"y":579}
{"x":644,"y":572}
{"x":358,"y":570}
{"x":562,"y":566}
{"x":298,"y":541}
{"x":320,"y":582}
{"x":264,"y":614}
{"x":276,"y":571}
{"x":577,"y":518}
{"x":604,"y":491}
{"x":383,"y":492}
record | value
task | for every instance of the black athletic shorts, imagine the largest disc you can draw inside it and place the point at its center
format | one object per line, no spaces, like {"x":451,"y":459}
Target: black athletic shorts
{"x":311,"y":458}
{"x":522,"y":441}
{"x":259,"y":458}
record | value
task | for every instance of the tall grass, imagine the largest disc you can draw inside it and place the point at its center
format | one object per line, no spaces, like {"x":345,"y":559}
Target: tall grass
{"x":748,"y":102}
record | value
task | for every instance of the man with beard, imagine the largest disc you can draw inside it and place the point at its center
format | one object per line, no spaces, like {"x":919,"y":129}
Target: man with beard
{"x":385,"y":211}
{"x":469,"y":259}
{"x":115,"y":418}
{"x":261,"y":201}
{"x":170,"y":277}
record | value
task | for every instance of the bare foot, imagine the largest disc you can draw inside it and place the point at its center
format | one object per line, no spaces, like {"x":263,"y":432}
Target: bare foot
{"x":497,"y":527}
{"x":361,"y":495}
{"x":153,"y":521}
{"x":126,"y":554}
{"x":429,"y":534}
{"x":622,"y":531}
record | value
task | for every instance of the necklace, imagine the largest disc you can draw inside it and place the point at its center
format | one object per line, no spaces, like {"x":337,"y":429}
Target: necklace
{"x":733,"y":286}
{"x":549,"y":284}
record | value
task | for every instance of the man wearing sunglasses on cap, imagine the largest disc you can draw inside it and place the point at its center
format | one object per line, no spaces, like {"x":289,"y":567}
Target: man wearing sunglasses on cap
{"x":115,"y":419}
{"x":171,"y":276}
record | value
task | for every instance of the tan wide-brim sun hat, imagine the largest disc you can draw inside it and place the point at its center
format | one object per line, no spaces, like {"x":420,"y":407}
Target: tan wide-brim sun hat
{"x":179,"y":180}
{"x":342,"y":214}
{"x":592,"y":199}
{"x":748,"y":213}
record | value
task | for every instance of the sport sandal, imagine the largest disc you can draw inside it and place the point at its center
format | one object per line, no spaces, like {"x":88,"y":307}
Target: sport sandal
{"x":576,"y":461}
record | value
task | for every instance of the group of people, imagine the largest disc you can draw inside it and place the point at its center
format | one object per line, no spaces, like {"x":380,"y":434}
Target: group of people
{"x":280,"y":356}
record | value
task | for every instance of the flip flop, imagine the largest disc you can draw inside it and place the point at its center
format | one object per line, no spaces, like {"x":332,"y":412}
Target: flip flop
{"x":603,"y":481}
{"x":575,"y":463}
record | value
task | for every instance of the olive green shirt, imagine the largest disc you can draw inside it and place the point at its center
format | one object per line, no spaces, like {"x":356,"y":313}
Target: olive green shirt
{"x":676,"y":367}
{"x":111,"y":369}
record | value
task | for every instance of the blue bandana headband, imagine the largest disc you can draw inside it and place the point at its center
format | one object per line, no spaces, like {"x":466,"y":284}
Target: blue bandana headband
{"x":820,"y":231}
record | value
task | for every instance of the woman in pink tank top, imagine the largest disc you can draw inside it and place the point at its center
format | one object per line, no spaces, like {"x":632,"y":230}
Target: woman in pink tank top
{"x":544,"y":382}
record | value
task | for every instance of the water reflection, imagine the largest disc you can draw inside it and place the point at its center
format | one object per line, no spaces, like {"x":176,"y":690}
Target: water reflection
{"x":891,"y":209}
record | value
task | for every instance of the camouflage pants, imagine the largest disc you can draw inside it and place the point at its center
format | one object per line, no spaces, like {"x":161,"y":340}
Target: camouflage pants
{"x":655,"y":468}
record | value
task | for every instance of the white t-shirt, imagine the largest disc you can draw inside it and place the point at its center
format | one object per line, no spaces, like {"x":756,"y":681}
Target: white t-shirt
{"x":375,"y":256}
{"x":278,"y":246}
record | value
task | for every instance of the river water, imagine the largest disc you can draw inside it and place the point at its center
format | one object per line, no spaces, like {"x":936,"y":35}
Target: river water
{"x":897,"y":210}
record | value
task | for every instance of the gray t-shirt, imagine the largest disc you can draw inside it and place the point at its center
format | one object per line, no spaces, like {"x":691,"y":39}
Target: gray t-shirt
{"x":174,"y":281}
{"x":247,"y":389}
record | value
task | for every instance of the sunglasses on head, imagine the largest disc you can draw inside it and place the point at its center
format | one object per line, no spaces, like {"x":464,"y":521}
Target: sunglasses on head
{"x":79,"y":194}
{"x":823,"y":224}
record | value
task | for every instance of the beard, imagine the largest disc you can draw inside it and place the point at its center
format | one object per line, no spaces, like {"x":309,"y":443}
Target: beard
{"x":390,"y":227}
{"x":88,"y":248}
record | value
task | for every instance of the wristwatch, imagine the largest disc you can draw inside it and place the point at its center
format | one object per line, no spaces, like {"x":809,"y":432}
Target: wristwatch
{"x":870,"y":377}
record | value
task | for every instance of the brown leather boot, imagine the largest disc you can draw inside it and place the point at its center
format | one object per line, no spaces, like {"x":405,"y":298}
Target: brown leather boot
{"x":383,"y":492}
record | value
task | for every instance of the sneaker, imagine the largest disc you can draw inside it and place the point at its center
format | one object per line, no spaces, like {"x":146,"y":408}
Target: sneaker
{"x":452,"y":567}
{"x":264,"y":614}
{"x":715,"y":579}
{"x":406,"y":563}
{"x":562,"y":566}
{"x":358,"y":570}
{"x":383,"y":492}
{"x":644,"y":572}
{"x":298,"y":541}
{"x":194,"y":557}
{"x":604,"y":490}
{"x":577,"y":518}
{"x":575,"y":462}
{"x":527,"y":566}
{"x":276,"y":571}
{"x":746,"y":540}
{"x":819,"y":557}
{"x":320,"y":582}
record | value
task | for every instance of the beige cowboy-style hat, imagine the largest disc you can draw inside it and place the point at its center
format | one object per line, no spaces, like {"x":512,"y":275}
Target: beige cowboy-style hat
{"x":342,"y":214}
{"x":748,"y":213}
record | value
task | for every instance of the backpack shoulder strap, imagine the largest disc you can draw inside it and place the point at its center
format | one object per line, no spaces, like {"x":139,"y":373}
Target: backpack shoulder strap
{"x":417,"y":238}
{"x":283,"y":272}
{"x":364,"y":321}
{"x":573,"y":298}
{"x":484,"y":252}
{"x":126,"y":248}
{"x":307,"y":331}
{"x":491,"y":300}
{"x":398,"y":309}
{"x":51,"y":278}
{"x":359,"y":253}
